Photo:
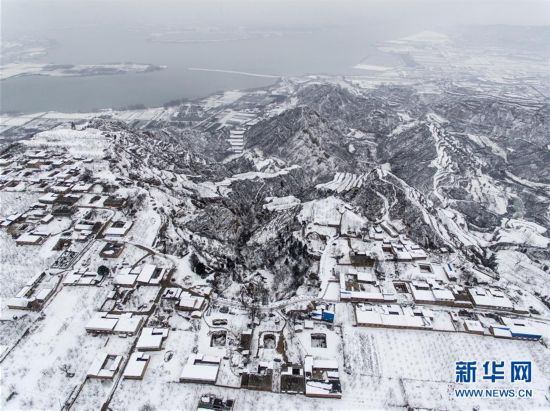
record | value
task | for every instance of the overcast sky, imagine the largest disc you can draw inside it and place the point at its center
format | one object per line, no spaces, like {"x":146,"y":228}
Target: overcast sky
{"x":281,"y":37}
{"x":521,"y":12}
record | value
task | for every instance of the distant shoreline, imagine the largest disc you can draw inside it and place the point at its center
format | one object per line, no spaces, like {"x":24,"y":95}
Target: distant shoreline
{"x":15,"y":70}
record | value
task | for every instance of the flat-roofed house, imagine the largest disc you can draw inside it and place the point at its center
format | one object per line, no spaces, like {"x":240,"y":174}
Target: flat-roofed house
{"x":188,"y":302}
{"x":114,"y":201}
{"x":104,"y":366}
{"x":522,"y":329}
{"x":151,"y":274}
{"x":322,"y":378}
{"x":125,"y":278}
{"x":201,"y":369}
{"x":151,"y":339}
{"x":29,"y":239}
{"x":490,"y":298}
{"x":105,"y":323}
{"x":474,"y":327}
{"x":118,"y":228}
{"x":137,"y":364}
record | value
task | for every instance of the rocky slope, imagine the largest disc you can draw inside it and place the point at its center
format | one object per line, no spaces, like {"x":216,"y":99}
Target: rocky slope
{"x":453,"y":168}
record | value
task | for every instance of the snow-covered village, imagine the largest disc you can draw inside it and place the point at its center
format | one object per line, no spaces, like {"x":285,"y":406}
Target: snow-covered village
{"x":377,"y":240}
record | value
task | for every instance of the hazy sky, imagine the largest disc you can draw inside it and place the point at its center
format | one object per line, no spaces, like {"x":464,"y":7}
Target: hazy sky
{"x":21,"y":15}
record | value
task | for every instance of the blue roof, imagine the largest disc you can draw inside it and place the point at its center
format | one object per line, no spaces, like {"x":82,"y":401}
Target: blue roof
{"x":526,"y":335}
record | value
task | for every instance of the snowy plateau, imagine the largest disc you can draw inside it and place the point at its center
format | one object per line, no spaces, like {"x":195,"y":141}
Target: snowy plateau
{"x":321,"y":243}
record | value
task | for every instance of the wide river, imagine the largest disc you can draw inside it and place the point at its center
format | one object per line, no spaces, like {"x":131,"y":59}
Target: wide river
{"x":99,"y":32}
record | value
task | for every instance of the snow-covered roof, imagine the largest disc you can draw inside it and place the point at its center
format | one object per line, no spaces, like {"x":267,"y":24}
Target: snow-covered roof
{"x":521,"y":328}
{"x":118,"y":231}
{"x":28,"y":238}
{"x":501,"y":332}
{"x":43,"y":294}
{"x":125,"y":279}
{"x":104,"y":365}
{"x":101,"y":322}
{"x":486,"y":297}
{"x":443,"y":294}
{"x":137,"y":363}
{"x":172,"y":293}
{"x":127,"y":324}
{"x":473,"y":326}
{"x":322,"y":389}
{"x":18,"y":303}
{"x":105,"y":322}
{"x":400,"y":320}
{"x":146,"y":273}
{"x":421,"y":294}
{"x":201,"y":368}
{"x":189,"y":302}
{"x":151,"y":338}
{"x":82,"y":187}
